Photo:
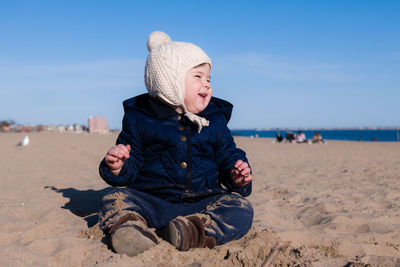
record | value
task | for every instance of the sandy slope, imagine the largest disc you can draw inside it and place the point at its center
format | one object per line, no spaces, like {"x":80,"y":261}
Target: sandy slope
{"x":337,"y":203}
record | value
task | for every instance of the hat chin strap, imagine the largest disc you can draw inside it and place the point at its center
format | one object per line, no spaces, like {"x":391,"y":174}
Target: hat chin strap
{"x":199,"y":121}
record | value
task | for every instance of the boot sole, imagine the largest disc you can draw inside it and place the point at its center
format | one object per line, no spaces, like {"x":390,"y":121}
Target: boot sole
{"x":173,"y":235}
{"x":130,"y":241}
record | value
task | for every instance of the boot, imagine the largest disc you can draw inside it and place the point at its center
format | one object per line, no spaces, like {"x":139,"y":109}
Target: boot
{"x":131,"y":236}
{"x":188,"y":232}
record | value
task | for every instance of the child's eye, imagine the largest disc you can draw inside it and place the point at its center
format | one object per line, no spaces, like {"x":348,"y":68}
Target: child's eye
{"x":197,"y":76}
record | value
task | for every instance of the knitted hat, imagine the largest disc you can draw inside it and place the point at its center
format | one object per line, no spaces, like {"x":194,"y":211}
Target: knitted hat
{"x":166,"y":68}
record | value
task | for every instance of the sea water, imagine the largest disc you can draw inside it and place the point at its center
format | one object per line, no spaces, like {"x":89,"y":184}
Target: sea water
{"x":380,"y":135}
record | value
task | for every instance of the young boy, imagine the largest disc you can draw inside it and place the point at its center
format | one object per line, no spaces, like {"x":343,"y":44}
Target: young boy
{"x":183,"y":178}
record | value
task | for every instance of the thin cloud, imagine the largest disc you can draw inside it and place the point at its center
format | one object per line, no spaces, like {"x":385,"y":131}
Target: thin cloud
{"x":274,"y":67}
{"x":100,"y":74}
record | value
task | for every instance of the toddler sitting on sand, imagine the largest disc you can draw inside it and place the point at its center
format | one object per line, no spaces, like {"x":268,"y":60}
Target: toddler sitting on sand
{"x":180,"y":174}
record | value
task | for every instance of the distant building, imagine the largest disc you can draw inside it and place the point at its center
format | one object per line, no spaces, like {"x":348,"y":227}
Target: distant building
{"x":50,"y":128}
{"x":5,"y":128}
{"x":98,"y":125}
{"x":40,"y":128}
{"x":69,"y":128}
{"x":27,"y":129}
{"x":77,"y":128}
{"x":60,"y":128}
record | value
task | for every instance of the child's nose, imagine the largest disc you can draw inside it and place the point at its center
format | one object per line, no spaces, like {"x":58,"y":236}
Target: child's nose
{"x":207,"y":84}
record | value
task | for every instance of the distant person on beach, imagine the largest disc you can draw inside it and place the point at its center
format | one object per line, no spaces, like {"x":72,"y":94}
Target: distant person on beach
{"x":290,"y":137}
{"x":181,"y":175}
{"x":317,"y":139}
{"x":301,"y":137}
{"x":279,"y":137}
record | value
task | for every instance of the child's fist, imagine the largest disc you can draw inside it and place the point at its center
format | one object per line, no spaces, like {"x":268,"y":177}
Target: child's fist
{"x":240,"y":174}
{"x":116,"y":156}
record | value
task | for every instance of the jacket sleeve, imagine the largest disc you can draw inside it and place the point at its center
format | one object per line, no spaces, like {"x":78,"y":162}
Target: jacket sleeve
{"x":129,"y":135}
{"x":226,"y":156}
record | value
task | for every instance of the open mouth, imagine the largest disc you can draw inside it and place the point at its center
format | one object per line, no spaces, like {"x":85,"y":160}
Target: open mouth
{"x":203,"y":95}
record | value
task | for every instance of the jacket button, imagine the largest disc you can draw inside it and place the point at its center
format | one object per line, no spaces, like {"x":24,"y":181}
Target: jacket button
{"x":183,"y":165}
{"x":183,"y":138}
{"x":178,"y":117}
{"x":181,"y":128}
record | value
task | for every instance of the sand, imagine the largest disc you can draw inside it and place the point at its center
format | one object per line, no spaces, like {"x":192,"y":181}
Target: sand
{"x":338,"y":204}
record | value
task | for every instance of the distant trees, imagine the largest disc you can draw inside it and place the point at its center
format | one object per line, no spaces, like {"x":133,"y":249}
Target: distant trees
{"x":6,"y":123}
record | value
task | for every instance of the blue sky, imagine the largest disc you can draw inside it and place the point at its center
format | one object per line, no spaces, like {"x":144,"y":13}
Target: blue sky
{"x":281,"y":63}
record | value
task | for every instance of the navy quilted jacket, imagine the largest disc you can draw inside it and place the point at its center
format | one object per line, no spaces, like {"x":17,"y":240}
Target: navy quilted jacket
{"x":169,"y":158}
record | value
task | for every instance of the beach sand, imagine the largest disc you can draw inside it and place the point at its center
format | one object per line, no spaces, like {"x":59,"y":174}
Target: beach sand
{"x":338,"y":204}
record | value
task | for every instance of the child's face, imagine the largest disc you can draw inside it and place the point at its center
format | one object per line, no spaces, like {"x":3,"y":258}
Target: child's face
{"x":197,"y":88}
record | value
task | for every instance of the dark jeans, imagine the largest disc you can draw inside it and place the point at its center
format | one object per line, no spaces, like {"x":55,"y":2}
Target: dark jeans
{"x":231,"y":214}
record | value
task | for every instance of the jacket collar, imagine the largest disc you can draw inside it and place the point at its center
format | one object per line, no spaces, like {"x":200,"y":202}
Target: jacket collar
{"x":157,"y":108}
{"x":160,"y":109}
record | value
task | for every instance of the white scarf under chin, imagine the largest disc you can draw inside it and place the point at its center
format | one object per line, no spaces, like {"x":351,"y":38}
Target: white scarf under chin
{"x":199,"y":121}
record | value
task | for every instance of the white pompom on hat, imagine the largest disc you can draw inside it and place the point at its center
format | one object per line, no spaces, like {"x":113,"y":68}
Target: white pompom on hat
{"x":166,"y":68}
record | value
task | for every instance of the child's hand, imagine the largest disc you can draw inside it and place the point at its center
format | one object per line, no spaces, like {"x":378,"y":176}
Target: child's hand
{"x":116,"y":156}
{"x":240,"y":174}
